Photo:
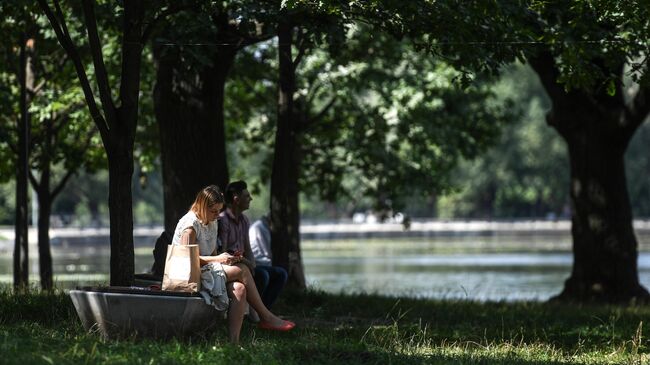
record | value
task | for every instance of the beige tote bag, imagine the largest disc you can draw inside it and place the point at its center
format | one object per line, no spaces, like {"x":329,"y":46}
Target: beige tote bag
{"x":182,"y":269}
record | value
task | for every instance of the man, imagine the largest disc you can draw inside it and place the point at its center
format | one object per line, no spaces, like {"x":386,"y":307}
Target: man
{"x":233,"y":234}
{"x":271,"y":278}
{"x":233,"y":224}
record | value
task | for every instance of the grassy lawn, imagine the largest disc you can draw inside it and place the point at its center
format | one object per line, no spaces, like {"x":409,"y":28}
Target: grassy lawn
{"x":44,"y":329}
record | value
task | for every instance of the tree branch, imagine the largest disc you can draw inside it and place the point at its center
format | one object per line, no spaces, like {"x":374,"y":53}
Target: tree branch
{"x":47,"y":75}
{"x":71,"y":172}
{"x":148,"y":30}
{"x":249,"y":40}
{"x":37,"y":89}
{"x":302,"y":49}
{"x":34,"y":181}
{"x":98,"y":62}
{"x":312,"y":90}
{"x":322,"y":112}
{"x":62,"y":183}
{"x":63,"y":117}
{"x":64,"y":26}
{"x":544,"y":65}
{"x":66,"y":42}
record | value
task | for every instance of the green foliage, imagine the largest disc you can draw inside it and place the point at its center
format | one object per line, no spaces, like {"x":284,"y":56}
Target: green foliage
{"x":397,"y":125}
{"x":56,"y":104}
{"x":591,"y":39}
{"x":379,"y":122}
{"x":525,"y":174}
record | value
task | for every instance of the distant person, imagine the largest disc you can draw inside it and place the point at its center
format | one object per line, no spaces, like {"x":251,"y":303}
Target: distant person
{"x":199,"y":226}
{"x":270,"y":279}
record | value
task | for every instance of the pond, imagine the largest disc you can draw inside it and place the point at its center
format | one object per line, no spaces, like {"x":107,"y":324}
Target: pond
{"x":528,"y":267}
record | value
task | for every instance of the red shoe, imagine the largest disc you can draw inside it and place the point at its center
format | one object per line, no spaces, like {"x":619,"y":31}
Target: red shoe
{"x":287,"y":326}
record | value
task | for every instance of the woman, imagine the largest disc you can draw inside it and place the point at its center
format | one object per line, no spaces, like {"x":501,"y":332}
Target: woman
{"x":199,"y":226}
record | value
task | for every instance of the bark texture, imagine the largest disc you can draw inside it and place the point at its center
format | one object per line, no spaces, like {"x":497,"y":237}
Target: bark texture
{"x":119,"y":147}
{"x":189,"y":112}
{"x":285,"y":212}
{"x":21,"y":250}
{"x":597,"y":128}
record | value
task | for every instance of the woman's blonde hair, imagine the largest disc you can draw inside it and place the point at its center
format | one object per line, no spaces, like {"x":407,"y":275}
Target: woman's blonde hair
{"x":207,"y":197}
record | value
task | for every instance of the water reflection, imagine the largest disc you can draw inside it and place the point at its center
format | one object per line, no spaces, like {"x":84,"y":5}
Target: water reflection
{"x":427,"y":268}
{"x":534,"y":276}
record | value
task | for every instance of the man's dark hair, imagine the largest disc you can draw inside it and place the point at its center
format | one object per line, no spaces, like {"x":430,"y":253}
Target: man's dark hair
{"x":234,"y":188}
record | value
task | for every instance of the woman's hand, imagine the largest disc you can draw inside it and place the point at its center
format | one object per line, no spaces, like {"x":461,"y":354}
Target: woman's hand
{"x":228,"y":259}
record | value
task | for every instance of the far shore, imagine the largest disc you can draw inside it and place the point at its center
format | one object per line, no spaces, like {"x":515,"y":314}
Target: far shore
{"x":343,"y":229}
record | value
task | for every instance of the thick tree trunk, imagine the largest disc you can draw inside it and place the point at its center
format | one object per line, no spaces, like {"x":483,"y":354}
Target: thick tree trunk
{"x":44,"y":253}
{"x":21,"y":252}
{"x":189,"y":111}
{"x":604,"y":244}
{"x":285,"y":214}
{"x":597,"y":133}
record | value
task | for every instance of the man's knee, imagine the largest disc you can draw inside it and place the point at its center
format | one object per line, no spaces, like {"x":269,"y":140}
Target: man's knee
{"x":262,"y":278}
{"x":281,"y":274}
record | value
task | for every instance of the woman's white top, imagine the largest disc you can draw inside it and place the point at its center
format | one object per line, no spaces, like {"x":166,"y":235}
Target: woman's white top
{"x":206,"y":234}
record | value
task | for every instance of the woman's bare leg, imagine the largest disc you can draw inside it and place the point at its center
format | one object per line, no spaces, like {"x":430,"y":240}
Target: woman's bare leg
{"x":237,"y":294}
{"x":241,"y":273}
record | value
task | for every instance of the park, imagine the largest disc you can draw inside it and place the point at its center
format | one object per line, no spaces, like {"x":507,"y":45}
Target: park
{"x":443,"y":181}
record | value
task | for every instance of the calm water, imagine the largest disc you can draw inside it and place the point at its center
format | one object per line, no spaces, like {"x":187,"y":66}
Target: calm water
{"x":493,"y":268}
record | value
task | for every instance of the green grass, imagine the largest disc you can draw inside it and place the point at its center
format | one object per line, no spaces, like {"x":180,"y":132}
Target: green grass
{"x":357,"y":329}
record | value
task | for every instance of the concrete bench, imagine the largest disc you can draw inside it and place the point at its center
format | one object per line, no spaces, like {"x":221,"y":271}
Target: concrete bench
{"x":116,"y":312}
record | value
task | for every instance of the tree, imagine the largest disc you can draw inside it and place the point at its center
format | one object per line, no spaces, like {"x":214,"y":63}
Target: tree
{"x":194,"y":54}
{"x":580,"y":51}
{"x":581,"y":64}
{"x":360,"y":130}
{"x":303,"y":30}
{"x":58,"y":136}
{"x":116,"y":123}
{"x":25,"y":77}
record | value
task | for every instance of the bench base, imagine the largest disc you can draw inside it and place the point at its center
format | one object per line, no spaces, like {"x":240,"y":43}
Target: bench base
{"x":131,"y":312}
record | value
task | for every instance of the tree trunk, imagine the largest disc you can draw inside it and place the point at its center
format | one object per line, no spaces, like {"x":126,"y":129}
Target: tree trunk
{"x":21,"y":252}
{"x":119,"y":148}
{"x":120,"y":172}
{"x":285,"y":214}
{"x":595,"y":128}
{"x":45,"y":198}
{"x":189,"y":111}
{"x":117,"y":125}
{"x":604,"y":243}
{"x":44,"y":253}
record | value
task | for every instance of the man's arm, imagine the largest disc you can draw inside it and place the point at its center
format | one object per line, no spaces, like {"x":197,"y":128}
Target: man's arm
{"x":259,"y":245}
{"x":249,"y":259}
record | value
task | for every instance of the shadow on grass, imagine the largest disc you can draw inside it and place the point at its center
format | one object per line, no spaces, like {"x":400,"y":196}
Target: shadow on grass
{"x":355,"y":329}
